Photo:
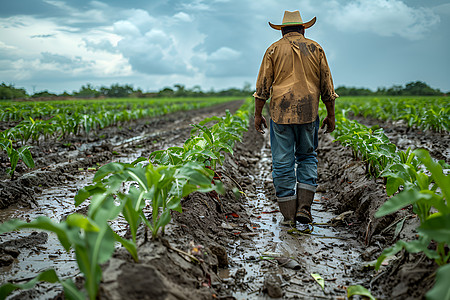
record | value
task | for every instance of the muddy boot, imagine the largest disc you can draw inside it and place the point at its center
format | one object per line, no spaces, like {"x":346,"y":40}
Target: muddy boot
{"x":304,"y":201}
{"x":288,"y":207}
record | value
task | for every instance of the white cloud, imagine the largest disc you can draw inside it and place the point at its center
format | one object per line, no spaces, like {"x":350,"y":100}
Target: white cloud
{"x":126,"y":28}
{"x":63,"y":54}
{"x":196,"y":5}
{"x":149,"y":48}
{"x":382,"y":17}
{"x":182,"y":16}
{"x":224,"y":54}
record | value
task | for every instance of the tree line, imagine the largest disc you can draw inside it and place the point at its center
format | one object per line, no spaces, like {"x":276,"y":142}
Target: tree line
{"x":124,"y":91}
{"x":417,"y":88}
{"x":9,"y":91}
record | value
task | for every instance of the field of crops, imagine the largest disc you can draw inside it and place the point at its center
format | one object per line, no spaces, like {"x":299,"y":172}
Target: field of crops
{"x":174,"y":197}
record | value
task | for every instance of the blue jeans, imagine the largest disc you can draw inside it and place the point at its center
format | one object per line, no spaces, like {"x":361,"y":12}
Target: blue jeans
{"x":294,"y":144}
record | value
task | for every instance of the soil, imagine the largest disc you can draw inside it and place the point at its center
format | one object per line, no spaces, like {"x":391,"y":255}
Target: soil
{"x":229,"y":246}
{"x":437,"y":143}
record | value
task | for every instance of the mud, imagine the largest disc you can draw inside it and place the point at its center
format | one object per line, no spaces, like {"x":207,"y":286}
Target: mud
{"x":58,"y":160}
{"x":437,"y":143}
{"x":228,"y":246}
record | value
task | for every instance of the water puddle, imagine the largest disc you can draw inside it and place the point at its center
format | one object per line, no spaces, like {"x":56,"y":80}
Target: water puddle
{"x":57,"y":203}
{"x":327,"y":251}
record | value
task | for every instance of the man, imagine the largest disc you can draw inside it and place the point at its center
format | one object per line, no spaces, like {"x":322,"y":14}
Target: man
{"x":294,"y":74}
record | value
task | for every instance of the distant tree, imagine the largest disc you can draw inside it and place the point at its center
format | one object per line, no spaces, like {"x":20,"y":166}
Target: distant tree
{"x":196,"y":91}
{"x":43,"y":94}
{"x":166,"y":92}
{"x":10,"y":92}
{"x":420,"y":88}
{"x":180,"y":90}
{"x":87,"y":91}
{"x":395,"y":90}
{"x":117,"y":91}
{"x":353,"y":91}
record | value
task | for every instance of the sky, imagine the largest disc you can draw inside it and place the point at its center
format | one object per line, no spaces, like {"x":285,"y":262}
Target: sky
{"x":59,"y":45}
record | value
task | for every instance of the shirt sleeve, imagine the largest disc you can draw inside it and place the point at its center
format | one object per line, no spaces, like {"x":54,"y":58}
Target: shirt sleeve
{"x":265,"y":77}
{"x":327,"y":92}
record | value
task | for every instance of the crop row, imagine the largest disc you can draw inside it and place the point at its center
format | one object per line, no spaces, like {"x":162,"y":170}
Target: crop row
{"x":412,"y":178}
{"x":18,"y":111}
{"x":426,"y":113}
{"x":163,"y":179}
{"x":75,"y":119}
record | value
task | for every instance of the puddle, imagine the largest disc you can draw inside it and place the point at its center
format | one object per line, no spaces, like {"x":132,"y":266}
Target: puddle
{"x":56,"y":203}
{"x":326,"y":251}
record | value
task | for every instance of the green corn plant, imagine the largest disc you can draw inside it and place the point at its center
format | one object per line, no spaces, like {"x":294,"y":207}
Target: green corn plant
{"x":207,"y":144}
{"x":92,"y":240}
{"x":418,"y":189}
{"x":440,"y":289}
{"x":426,"y":113}
{"x":14,"y":155}
{"x":26,"y":129}
{"x":424,"y":192}
{"x":70,"y":290}
{"x":164,"y":186}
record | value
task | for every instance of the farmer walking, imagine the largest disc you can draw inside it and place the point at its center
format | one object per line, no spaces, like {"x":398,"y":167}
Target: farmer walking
{"x":294,"y":73}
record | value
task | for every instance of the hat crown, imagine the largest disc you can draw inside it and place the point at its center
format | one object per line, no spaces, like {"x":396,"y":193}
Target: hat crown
{"x":292,"y":17}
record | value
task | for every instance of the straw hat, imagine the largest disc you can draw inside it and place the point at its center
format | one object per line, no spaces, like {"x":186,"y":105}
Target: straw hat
{"x":292,"y":18}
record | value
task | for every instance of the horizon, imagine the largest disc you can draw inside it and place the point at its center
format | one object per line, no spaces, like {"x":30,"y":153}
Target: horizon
{"x":59,"y":46}
{"x":205,"y":90}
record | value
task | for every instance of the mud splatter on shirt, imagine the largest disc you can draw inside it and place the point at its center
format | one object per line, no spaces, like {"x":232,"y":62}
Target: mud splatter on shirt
{"x":294,"y":74}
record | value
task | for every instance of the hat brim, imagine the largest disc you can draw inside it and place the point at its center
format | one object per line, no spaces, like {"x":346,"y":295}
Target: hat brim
{"x":306,"y":25}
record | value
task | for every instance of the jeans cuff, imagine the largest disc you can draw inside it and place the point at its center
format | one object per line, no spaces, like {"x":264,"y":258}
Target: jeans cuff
{"x":287,"y":198}
{"x":305,"y":186}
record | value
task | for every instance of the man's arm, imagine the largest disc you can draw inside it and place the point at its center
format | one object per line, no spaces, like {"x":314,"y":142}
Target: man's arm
{"x":263,"y":87}
{"x":329,"y":120}
{"x":259,"y":118}
{"x":327,"y":94}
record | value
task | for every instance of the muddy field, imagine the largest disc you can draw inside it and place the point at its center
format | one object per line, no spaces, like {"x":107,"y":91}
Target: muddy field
{"x":244,"y":252}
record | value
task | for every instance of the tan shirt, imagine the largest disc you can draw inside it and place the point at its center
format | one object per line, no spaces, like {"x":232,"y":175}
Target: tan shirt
{"x":294,"y":73}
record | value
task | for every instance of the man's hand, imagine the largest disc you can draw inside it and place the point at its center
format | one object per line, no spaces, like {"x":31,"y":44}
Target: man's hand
{"x":330,"y":122}
{"x":260,"y":121}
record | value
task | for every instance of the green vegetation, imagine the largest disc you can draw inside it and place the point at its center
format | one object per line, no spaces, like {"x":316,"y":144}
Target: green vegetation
{"x":164,"y":184}
{"x":10,"y":92}
{"x":417,"y":88}
{"x":59,"y":119}
{"x":125,"y":91}
{"x":411,"y":176}
{"x":426,"y":113}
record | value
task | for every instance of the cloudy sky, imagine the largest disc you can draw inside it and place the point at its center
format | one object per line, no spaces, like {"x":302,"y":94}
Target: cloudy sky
{"x":59,"y":45}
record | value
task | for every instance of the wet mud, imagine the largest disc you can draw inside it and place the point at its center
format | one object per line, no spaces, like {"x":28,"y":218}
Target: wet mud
{"x":226,"y":246}
{"x":437,"y":143}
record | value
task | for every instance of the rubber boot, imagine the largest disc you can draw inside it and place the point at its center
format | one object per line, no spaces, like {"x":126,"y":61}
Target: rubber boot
{"x":304,"y":201}
{"x":288,"y":207}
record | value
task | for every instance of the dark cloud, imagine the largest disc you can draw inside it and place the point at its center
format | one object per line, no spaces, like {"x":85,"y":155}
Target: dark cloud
{"x":36,"y":8}
{"x":43,"y":36}
{"x":220,"y":41}
{"x":64,"y":61}
{"x":101,"y":45}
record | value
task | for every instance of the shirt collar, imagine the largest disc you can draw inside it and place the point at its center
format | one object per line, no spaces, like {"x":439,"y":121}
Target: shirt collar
{"x":292,"y":34}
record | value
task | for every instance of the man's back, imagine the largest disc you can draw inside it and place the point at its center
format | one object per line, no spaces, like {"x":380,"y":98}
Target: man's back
{"x":297,"y":71}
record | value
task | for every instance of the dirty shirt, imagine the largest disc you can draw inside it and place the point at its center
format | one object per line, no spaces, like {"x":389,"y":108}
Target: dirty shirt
{"x":294,"y":73}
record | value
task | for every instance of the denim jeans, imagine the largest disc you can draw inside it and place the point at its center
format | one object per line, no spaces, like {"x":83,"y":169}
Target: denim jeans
{"x":294,"y":144}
